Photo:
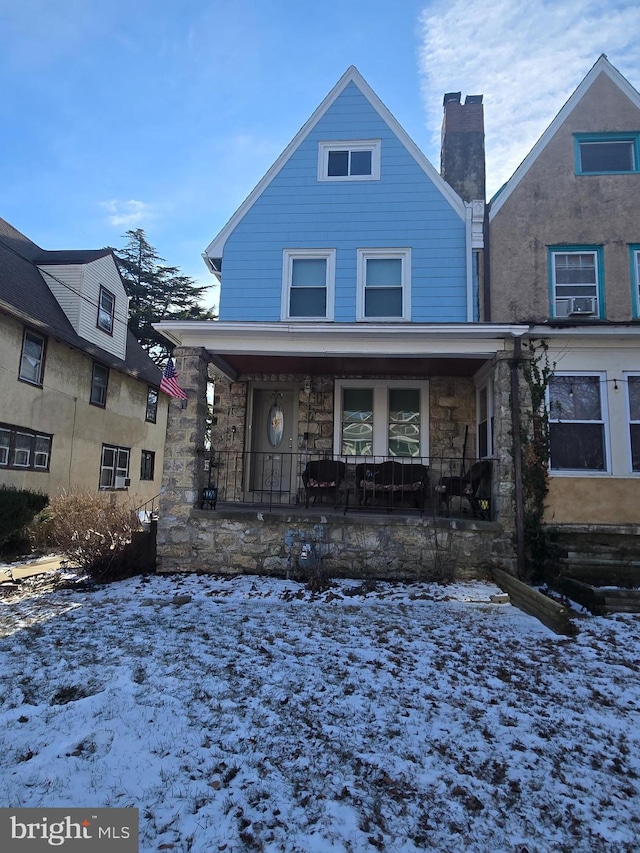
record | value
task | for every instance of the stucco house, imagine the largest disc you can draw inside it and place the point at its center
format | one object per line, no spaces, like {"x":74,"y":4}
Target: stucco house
{"x":350,"y":330}
{"x":80,"y":401}
{"x":565,"y":259}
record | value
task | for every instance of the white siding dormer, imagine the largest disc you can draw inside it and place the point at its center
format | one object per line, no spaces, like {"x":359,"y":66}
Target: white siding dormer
{"x":78,"y":289}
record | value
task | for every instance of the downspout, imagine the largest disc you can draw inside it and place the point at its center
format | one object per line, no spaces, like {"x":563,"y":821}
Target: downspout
{"x":516,"y":419}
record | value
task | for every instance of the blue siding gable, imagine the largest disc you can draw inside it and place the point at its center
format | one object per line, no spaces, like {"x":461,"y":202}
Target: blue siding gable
{"x":403,"y":209}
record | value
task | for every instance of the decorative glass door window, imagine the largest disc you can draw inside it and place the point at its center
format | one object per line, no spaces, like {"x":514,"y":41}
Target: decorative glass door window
{"x":357,"y":422}
{"x":381,"y":418}
{"x":404,"y":422}
{"x":275,"y":425}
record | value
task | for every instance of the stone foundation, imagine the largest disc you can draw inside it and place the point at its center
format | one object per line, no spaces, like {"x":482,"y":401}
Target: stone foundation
{"x":389,"y":547}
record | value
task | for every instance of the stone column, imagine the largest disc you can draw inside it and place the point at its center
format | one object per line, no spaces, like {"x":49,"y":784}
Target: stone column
{"x":183,"y":473}
{"x":504,"y":497}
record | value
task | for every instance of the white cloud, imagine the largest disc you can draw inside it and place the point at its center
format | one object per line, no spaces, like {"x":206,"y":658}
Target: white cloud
{"x":526,"y":57}
{"x":127,"y":213}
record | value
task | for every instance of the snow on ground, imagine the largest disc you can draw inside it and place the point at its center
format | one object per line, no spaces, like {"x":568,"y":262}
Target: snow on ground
{"x":261,"y":717}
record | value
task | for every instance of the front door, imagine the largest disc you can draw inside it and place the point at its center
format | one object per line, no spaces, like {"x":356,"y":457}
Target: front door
{"x":272,"y":462}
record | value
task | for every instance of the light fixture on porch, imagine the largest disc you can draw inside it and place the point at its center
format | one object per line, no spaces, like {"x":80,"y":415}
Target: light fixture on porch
{"x":308,"y":385}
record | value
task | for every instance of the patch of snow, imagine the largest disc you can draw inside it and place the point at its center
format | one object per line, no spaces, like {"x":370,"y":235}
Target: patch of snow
{"x":259,"y":716}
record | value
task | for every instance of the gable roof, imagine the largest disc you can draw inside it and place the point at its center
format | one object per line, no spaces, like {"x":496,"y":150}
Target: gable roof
{"x":215,"y":249}
{"x":25,"y":295}
{"x":602,"y":66}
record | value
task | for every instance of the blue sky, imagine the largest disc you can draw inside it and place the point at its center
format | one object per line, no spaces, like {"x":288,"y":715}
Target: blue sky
{"x":164,"y":115}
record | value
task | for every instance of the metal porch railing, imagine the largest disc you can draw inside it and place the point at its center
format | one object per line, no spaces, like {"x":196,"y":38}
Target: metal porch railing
{"x":435,"y":485}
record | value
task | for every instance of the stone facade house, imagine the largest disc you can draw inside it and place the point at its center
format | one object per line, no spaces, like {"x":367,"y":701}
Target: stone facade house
{"x":351,"y":330}
{"x":80,"y":401}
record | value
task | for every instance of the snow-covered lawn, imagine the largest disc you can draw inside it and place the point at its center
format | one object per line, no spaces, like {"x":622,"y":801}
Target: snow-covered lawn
{"x":259,"y":717}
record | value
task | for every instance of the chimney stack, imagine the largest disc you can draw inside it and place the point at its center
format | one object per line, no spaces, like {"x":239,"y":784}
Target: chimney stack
{"x":462,"y":152}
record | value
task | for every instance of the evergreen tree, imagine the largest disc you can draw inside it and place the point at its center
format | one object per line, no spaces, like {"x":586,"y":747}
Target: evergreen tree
{"x":156,"y":292}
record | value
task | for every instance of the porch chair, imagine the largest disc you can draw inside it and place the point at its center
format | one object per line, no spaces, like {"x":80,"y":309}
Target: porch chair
{"x":474,"y":486}
{"x":391,"y":478}
{"x":323,"y":477}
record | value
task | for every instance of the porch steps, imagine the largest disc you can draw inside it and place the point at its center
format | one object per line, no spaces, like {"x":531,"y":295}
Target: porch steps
{"x":598,"y":567}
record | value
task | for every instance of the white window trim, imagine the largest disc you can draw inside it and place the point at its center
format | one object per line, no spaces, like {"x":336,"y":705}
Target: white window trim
{"x":363,"y":256}
{"x":625,"y":380}
{"x":487,"y":386}
{"x":114,"y":468}
{"x":604,"y":408}
{"x":288,"y":256}
{"x":381,"y":389}
{"x":373,"y":145}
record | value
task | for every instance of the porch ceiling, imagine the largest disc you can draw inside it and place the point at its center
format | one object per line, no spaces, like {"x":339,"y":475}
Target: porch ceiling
{"x":346,"y":365}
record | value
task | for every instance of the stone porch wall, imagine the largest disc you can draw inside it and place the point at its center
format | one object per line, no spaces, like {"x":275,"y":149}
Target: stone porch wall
{"x":390,"y":547}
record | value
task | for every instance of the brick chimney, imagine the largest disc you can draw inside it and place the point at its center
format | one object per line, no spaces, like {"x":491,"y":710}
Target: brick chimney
{"x":462,"y":152}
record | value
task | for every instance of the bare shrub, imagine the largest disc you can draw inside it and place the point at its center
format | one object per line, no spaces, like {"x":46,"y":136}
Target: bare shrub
{"x":93,"y":533}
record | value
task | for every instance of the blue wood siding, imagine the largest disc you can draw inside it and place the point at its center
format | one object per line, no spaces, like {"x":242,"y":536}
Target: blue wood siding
{"x":402,"y":209}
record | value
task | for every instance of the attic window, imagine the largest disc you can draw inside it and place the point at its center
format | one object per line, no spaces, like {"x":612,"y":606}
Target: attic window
{"x":106,"y":310}
{"x":353,"y":160}
{"x":606,"y":153}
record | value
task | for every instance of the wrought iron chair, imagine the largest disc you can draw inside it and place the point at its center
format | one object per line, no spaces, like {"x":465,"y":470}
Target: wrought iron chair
{"x":323,"y":477}
{"x":473,"y":486}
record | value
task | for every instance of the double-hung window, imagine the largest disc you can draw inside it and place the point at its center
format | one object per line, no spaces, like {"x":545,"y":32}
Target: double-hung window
{"x":485,"y":420}
{"x":377,"y":418}
{"x":383,"y":285}
{"x":633,"y":385}
{"x":32,"y":358}
{"x":106,"y":310}
{"x":308,"y":277}
{"x":24,"y":449}
{"x":607,"y":153}
{"x":147,"y":465}
{"x":151,"y":413}
{"x":576,"y":281}
{"x":350,"y":160}
{"x":99,"y":382}
{"x":114,"y":467}
{"x":577,"y":429}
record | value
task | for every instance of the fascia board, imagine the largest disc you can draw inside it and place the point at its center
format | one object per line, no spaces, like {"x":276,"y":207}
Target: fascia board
{"x":602,"y":66}
{"x":215,"y":249}
{"x":246,"y":338}
{"x":615,"y":330}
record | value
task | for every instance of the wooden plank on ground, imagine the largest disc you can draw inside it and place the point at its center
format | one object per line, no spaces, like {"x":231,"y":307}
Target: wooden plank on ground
{"x":535,"y":603}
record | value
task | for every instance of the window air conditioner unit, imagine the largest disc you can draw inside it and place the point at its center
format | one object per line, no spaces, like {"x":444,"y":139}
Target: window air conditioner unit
{"x":122,"y":482}
{"x":582,"y":305}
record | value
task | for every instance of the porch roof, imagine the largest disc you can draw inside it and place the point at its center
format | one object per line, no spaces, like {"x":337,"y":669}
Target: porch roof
{"x":312,"y":348}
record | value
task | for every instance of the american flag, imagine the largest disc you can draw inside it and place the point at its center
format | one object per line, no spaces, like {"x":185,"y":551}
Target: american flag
{"x":169,"y":382}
